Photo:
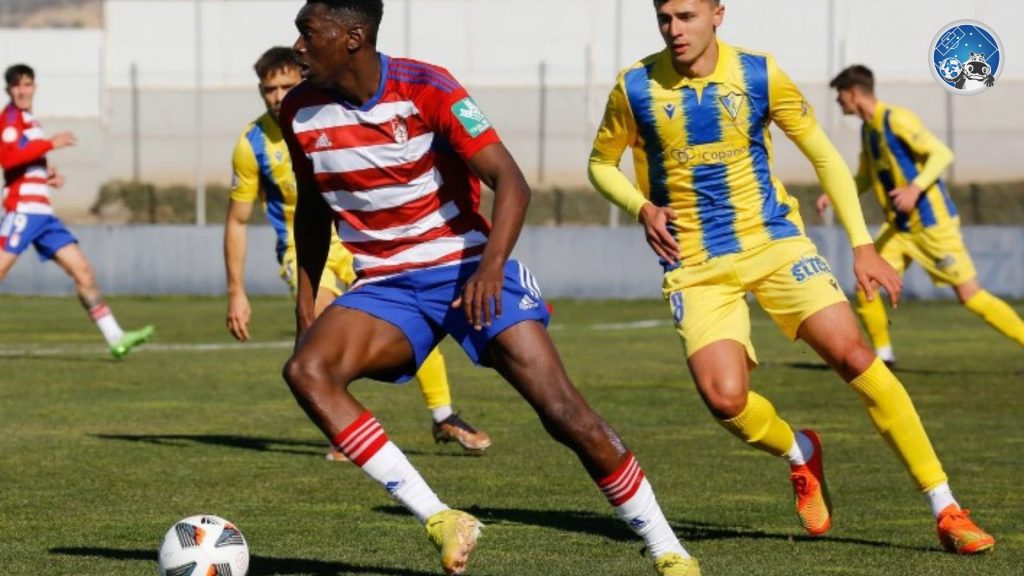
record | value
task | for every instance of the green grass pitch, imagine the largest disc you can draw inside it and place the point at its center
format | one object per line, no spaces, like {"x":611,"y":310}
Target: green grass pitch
{"x":98,"y":458}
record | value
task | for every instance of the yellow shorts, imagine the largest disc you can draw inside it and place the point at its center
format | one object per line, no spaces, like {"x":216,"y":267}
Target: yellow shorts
{"x":788,"y":278}
{"x":337,"y":276}
{"x":939,"y":250}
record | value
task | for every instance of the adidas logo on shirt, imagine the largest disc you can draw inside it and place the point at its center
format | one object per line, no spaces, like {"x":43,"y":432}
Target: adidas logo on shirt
{"x":323,"y":141}
{"x":527,"y":303}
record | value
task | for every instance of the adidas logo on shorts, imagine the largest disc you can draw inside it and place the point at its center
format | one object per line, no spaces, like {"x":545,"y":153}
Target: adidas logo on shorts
{"x":527,"y":303}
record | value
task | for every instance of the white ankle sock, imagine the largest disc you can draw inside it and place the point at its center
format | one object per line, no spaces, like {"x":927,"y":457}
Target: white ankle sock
{"x":940,"y":497}
{"x":801,"y":451}
{"x":105,"y":321}
{"x":441,"y":413}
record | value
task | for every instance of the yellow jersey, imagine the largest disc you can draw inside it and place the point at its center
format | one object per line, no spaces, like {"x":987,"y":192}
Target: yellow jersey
{"x":895,"y":146}
{"x":262,"y":170}
{"x":702,"y":147}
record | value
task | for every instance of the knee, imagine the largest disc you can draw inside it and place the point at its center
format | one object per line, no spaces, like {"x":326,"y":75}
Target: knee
{"x":306,"y":376}
{"x":725,"y":405}
{"x":854,"y":359}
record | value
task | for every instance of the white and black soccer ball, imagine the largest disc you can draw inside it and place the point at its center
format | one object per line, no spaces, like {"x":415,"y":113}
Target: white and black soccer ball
{"x":204,"y":546}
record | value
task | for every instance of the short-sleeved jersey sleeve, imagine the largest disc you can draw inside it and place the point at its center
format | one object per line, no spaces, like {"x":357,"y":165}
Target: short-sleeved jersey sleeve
{"x":457,"y":118}
{"x":617,"y":130}
{"x":788,"y":108}
{"x":245,"y":171}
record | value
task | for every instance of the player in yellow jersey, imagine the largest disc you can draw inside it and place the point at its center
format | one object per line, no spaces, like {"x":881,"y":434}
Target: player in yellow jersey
{"x":901,"y":162}
{"x":696,"y":116}
{"x":263,"y":171}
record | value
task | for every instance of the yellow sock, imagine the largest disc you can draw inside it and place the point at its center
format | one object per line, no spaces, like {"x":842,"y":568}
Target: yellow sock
{"x":760,"y":426}
{"x":998,"y":314}
{"x":433,"y":379}
{"x":876,"y":322}
{"x":895,"y":418}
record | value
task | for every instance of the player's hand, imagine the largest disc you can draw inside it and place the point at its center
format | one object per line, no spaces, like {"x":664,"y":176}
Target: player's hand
{"x":54,"y":179}
{"x":655,"y":221}
{"x":905,"y":198}
{"x":63,"y":139}
{"x":822,"y":203}
{"x":239,"y":314}
{"x":481,"y":291}
{"x":873,"y":272}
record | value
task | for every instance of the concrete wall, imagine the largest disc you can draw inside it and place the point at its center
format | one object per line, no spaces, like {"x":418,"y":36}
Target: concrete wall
{"x":568,"y":262}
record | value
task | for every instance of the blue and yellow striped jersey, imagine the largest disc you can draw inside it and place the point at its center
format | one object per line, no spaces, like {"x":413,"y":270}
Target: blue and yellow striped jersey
{"x":702,"y":147}
{"x":895,"y":147}
{"x":262,"y":170}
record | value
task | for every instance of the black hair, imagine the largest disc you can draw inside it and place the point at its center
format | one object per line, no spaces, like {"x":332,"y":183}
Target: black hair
{"x":15,"y":73}
{"x":366,"y":12}
{"x":856,"y":76}
{"x":277,"y":59}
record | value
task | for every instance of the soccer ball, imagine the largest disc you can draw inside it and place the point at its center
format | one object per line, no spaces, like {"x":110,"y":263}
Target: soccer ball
{"x":204,"y":546}
{"x":950,"y":68}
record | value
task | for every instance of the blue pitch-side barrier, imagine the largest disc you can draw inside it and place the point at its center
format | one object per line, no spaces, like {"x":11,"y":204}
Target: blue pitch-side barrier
{"x":569,"y":262}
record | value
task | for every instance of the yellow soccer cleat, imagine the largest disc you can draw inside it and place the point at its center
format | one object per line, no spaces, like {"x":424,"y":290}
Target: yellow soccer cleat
{"x":960,"y":535}
{"x":454,"y":534}
{"x":131,"y":339}
{"x":675,"y":565}
{"x":813,"y":505}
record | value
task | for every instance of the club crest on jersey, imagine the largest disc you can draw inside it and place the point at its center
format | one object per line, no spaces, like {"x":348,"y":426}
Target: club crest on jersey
{"x":732,"y":102}
{"x":10,"y":134}
{"x":471,"y":117}
{"x":278,"y":156}
{"x":808,"y":267}
{"x":399,"y":130}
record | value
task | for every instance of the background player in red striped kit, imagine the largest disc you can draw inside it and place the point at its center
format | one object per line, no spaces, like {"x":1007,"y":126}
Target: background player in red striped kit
{"x":28,"y":218}
{"x":393,"y":151}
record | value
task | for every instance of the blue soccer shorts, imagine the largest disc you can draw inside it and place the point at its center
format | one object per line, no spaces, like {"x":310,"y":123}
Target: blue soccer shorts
{"x":419,"y":303}
{"x":18,"y":231}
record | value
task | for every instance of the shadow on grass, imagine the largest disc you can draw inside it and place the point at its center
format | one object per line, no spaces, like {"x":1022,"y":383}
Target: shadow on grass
{"x":613,"y":529}
{"x":259,"y":565}
{"x":899,"y":369}
{"x":258,"y":444}
{"x":255,"y":443}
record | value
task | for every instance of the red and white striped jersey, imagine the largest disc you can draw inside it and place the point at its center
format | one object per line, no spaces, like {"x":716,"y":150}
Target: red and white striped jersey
{"x":23,"y":148}
{"x":394,"y":170}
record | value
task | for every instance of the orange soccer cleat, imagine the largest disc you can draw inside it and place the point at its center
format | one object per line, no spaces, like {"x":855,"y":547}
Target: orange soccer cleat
{"x":810,"y":492}
{"x":959,"y":534}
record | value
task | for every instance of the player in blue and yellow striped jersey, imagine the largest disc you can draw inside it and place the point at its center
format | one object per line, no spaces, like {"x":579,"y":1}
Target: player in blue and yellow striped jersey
{"x":902,"y":162}
{"x":263,"y":171}
{"x":696,"y":116}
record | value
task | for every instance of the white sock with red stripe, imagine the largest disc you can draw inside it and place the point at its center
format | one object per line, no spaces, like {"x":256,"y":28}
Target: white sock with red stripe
{"x":366,"y":444}
{"x":633,"y":498}
{"x":105,"y":321}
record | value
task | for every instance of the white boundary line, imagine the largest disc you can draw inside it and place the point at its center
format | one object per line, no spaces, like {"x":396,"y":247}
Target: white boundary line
{"x":22,"y":351}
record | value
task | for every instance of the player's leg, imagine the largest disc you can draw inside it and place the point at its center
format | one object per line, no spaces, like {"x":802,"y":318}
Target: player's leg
{"x":16,"y":236}
{"x":833,"y":334}
{"x":64,"y":250}
{"x":995,"y":311}
{"x":448,"y":425}
{"x":7,"y":261}
{"x":345,"y":344}
{"x":872,"y":312}
{"x":525,"y":356}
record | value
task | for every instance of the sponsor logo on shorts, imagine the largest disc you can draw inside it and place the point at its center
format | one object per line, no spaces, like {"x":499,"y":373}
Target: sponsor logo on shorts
{"x":527,"y":303}
{"x":471,"y":117}
{"x":946,"y":262}
{"x":808,"y":267}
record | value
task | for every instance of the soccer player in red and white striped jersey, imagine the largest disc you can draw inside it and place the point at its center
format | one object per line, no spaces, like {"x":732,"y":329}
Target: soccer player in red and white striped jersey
{"x":392,"y":151}
{"x":27,"y":217}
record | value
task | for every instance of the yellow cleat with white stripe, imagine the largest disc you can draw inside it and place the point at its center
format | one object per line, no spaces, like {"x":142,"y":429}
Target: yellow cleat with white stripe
{"x":675,"y":565}
{"x":454,"y":533}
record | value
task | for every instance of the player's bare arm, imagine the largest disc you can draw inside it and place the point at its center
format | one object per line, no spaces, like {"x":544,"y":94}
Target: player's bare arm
{"x":905,"y":198}
{"x":63,"y":140}
{"x":312,"y":243}
{"x":235,"y":227}
{"x":499,"y":171}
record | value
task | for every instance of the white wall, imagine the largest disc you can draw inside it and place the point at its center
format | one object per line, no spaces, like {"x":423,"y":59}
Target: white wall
{"x":67,"y":65}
